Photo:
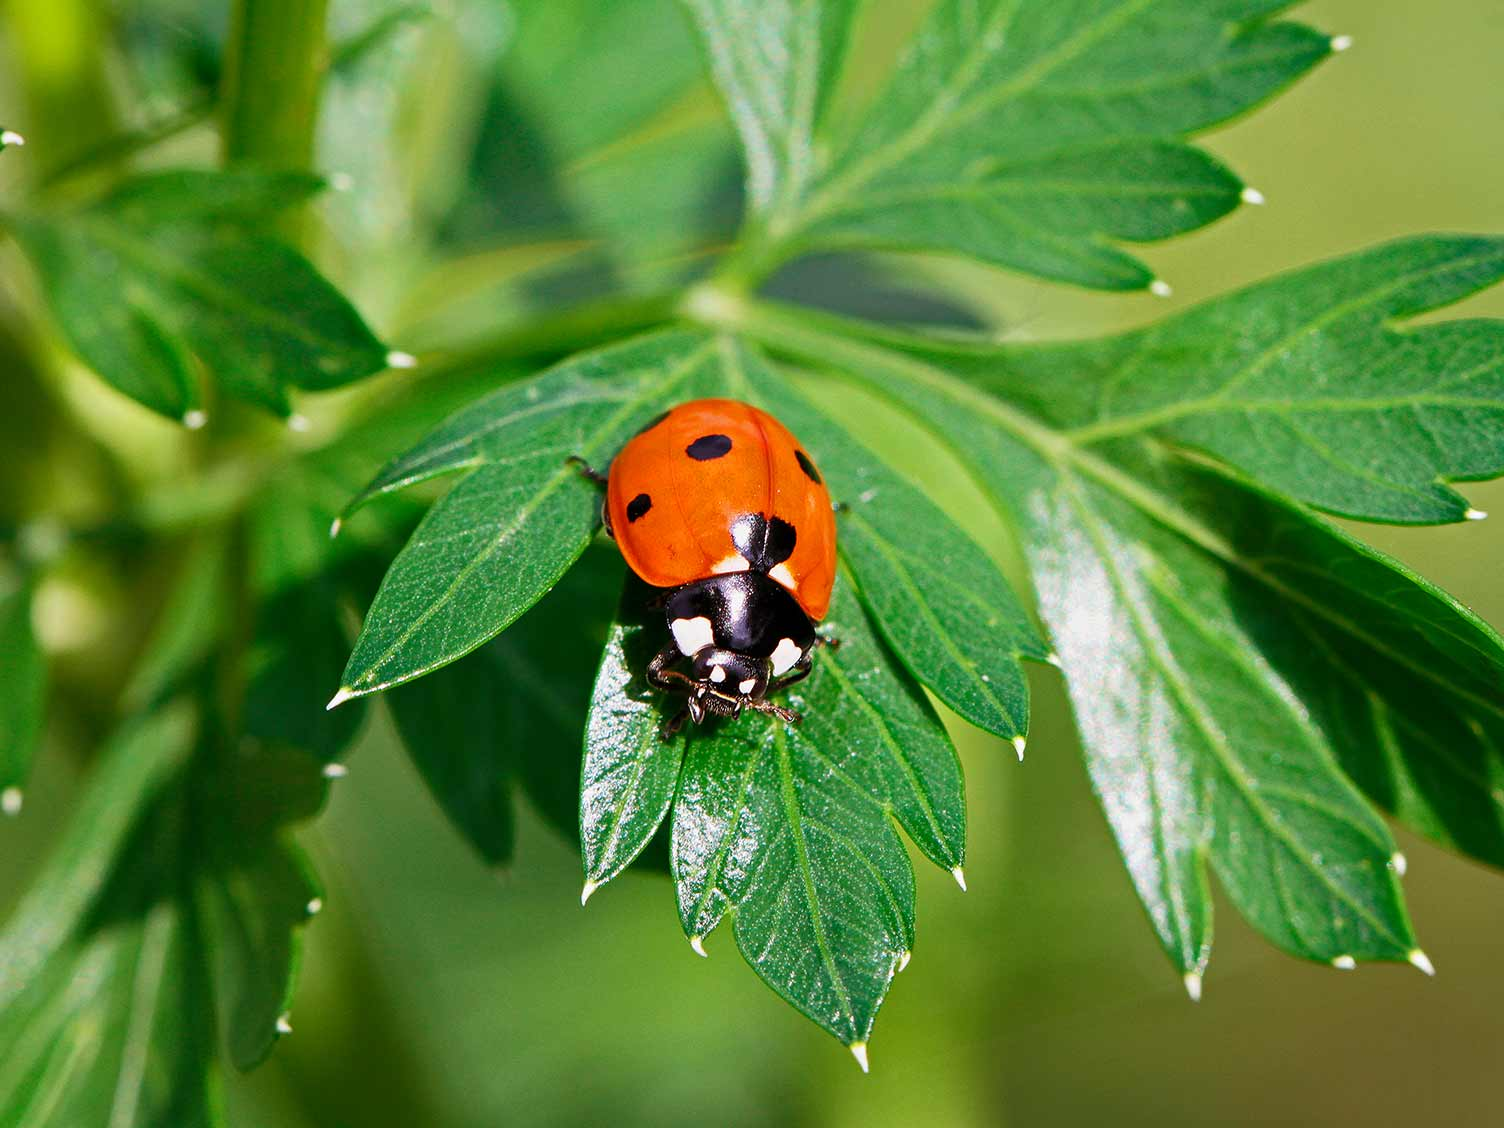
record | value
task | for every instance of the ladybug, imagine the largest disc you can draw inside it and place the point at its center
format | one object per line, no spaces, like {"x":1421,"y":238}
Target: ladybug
{"x":718,"y":504}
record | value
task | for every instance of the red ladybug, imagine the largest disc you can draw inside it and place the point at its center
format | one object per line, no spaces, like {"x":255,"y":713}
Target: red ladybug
{"x":717,"y":502}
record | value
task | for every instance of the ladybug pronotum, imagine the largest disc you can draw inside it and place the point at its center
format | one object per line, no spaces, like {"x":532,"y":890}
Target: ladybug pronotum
{"x":718,"y":504}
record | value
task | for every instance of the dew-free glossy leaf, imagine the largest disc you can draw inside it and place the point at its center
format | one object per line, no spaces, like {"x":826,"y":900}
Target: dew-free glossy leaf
{"x":940,"y":603}
{"x":493,"y":545}
{"x":164,"y":276}
{"x":1028,"y":132}
{"x":1304,"y":381}
{"x":22,"y":689}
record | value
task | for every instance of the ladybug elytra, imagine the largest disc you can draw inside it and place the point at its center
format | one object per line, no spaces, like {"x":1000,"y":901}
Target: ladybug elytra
{"x":716,"y":502}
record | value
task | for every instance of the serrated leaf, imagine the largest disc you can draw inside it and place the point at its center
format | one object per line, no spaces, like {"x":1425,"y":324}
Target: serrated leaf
{"x":1304,"y":381}
{"x":1027,"y":133}
{"x":940,"y":603}
{"x":22,"y":692}
{"x":789,"y":826}
{"x":493,"y":545}
{"x":514,"y":712}
{"x":163,"y":276}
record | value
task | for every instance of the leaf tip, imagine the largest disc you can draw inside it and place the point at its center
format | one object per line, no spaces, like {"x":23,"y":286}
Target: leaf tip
{"x":284,"y":1024}
{"x":587,"y":890}
{"x":1053,"y":659}
{"x":1251,"y":195}
{"x":1398,"y":864}
{"x":859,"y":1051}
{"x":1422,"y":961}
{"x":698,"y":944}
{"x":341,"y":696}
{"x":903,"y":960}
{"x":315,"y":906}
{"x":10,"y":137}
{"x":1340,"y":43}
{"x":1344,"y":963}
{"x":1160,"y":288}
{"x":11,"y":800}
{"x":1474,"y":515}
{"x":960,"y":875}
{"x":398,"y":359}
{"x":1192,"y":981}
{"x":194,"y":420}
{"x":1020,"y":742}
{"x":335,"y":771}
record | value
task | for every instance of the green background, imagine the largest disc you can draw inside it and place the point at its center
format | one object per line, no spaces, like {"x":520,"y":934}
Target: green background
{"x":435,"y":992}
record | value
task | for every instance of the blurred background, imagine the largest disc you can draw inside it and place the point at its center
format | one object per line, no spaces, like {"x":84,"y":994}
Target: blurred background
{"x":470,"y":142}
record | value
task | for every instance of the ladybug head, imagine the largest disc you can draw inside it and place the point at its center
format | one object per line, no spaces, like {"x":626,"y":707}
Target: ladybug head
{"x":725,"y":680}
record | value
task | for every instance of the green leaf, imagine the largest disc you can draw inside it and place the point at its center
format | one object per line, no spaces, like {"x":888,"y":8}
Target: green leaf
{"x":163,"y":276}
{"x":514,"y":712}
{"x":22,"y":695}
{"x":1304,"y":382}
{"x":789,"y":827}
{"x":944,"y":608}
{"x":775,"y":63}
{"x":1028,"y":133}
{"x":492,"y":546}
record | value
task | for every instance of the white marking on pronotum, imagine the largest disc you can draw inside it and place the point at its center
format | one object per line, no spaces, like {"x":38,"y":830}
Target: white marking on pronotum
{"x":1344,"y":963}
{"x":903,"y":958}
{"x":859,"y":1051}
{"x":1341,"y":42}
{"x":785,"y":655}
{"x":698,"y":944}
{"x":1160,"y":288}
{"x":398,"y":359}
{"x":1422,"y":961}
{"x":1252,"y":195}
{"x":733,"y":563}
{"x":747,"y":686}
{"x":11,"y":137}
{"x":315,"y":906}
{"x":960,"y":875}
{"x":1018,"y":746}
{"x":1398,"y":863}
{"x":11,"y":800}
{"x":781,"y":573}
{"x":341,"y":696}
{"x":1192,"y":981}
{"x":692,"y":635}
{"x":717,"y":673}
{"x":335,"y":771}
{"x":1474,"y":515}
{"x":587,"y":890}
{"x":284,"y":1025}
{"x":194,"y":419}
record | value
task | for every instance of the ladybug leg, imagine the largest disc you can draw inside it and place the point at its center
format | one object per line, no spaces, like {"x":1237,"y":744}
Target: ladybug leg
{"x":674,"y":724}
{"x":587,"y":470}
{"x":787,"y":716}
{"x":661,"y":677}
{"x":797,"y":674}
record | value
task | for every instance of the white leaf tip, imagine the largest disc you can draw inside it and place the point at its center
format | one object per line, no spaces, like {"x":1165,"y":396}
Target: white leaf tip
{"x":1252,"y":195}
{"x":398,"y":359}
{"x":335,"y":771}
{"x":284,"y":1025}
{"x":195,"y":419}
{"x":11,"y":137}
{"x":903,"y":959}
{"x":341,"y":696}
{"x":1019,"y":743}
{"x":1398,"y":863}
{"x":315,"y":906}
{"x":1344,"y":963}
{"x":587,"y":890}
{"x":11,"y":801}
{"x":698,"y":944}
{"x":1475,"y":515}
{"x":960,"y":875}
{"x":1192,"y":981}
{"x":1053,"y":659}
{"x":859,"y":1051}
{"x":1160,"y":288}
{"x":1422,"y":961}
{"x":1341,"y":42}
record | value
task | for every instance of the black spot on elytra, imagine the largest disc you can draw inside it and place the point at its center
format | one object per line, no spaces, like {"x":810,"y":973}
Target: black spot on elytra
{"x":638,"y":506}
{"x":651,"y":423}
{"x":764,"y":544}
{"x":808,"y":467}
{"x":708,"y":447}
